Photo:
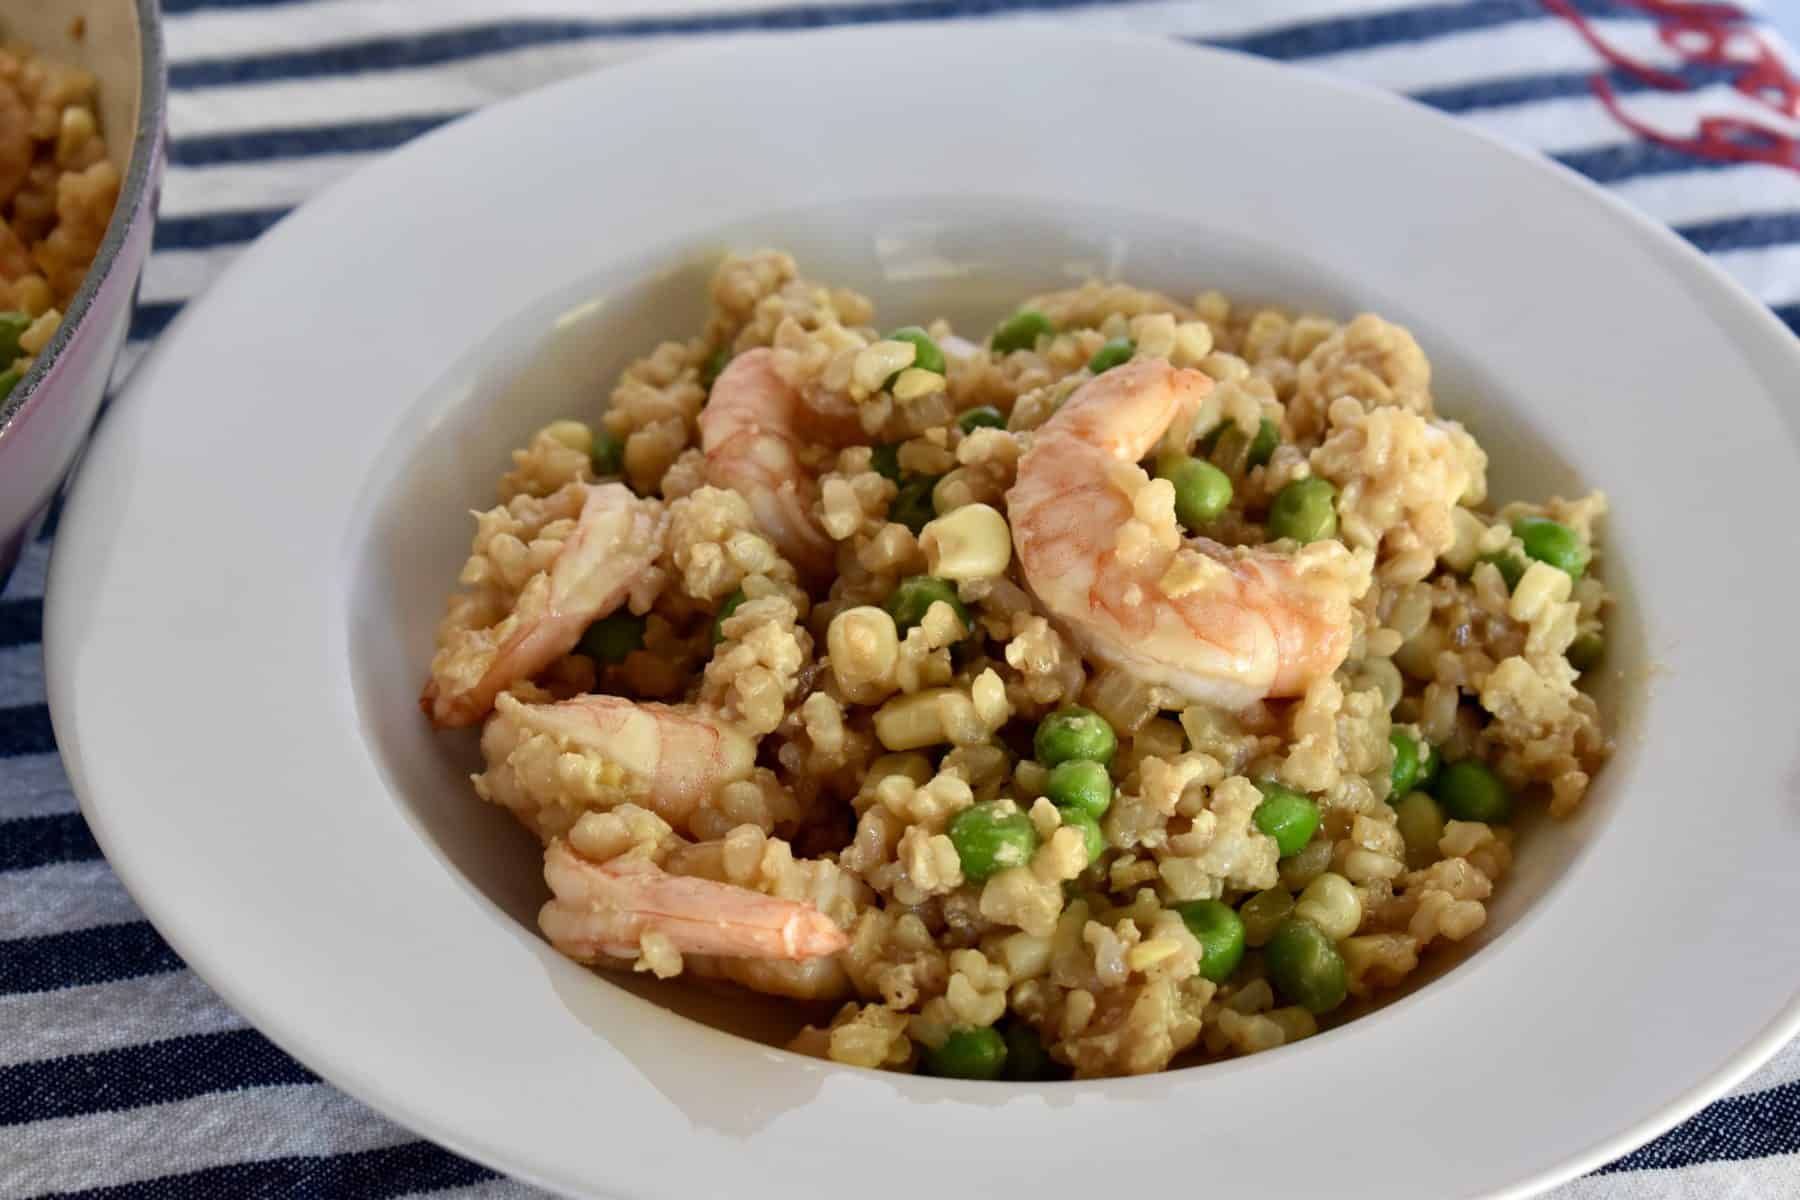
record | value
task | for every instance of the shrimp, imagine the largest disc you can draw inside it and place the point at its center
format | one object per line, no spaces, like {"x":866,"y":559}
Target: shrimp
{"x":604,"y":910}
{"x":1219,"y":625}
{"x":626,"y":889}
{"x":616,"y":540}
{"x":550,"y":763}
{"x":752,"y":431}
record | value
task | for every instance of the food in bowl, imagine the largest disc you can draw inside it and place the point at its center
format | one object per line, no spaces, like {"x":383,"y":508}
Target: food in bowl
{"x":57,"y":191}
{"x":1146,"y":684}
{"x":77,"y":227}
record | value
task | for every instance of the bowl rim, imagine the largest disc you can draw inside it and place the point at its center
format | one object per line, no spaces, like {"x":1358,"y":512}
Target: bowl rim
{"x":134,"y":193}
{"x":1676,"y":254}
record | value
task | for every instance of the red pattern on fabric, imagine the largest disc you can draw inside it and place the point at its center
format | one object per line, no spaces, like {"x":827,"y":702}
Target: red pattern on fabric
{"x":1714,"y":35}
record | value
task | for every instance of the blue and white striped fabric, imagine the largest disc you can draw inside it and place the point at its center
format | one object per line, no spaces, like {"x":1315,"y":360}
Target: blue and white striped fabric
{"x":121,"y":1075}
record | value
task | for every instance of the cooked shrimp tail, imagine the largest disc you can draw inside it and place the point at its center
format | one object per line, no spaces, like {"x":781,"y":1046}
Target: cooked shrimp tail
{"x":1216,"y":624}
{"x":605,"y":910}
{"x":617,"y":537}
{"x":670,"y":760}
{"x":752,"y":431}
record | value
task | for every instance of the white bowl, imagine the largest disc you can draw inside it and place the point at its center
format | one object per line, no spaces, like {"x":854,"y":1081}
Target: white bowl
{"x":242,"y":594}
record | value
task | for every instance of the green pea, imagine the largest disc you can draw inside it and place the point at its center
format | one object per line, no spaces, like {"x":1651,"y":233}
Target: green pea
{"x":1470,"y":791}
{"x":725,"y":610}
{"x":1404,"y":774}
{"x":1202,"y":491}
{"x":968,"y":1054}
{"x":913,"y":597}
{"x":1220,"y":932}
{"x":1080,"y":783}
{"x":611,"y":638}
{"x":1510,"y":566}
{"x":1026,"y":1059}
{"x":9,"y":379}
{"x":1287,"y":816}
{"x":12,"y":327}
{"x":608,"y":453}
{"x":912,"y":506}
{"x":1115,"y":352}
{"x":926,"y":355}
{"x":1305,"y":967}
{"x":1262,"y":448}
{"x":1586,"y":651}
{"x":1304,"y":510}
{"x":1021,"y":331}
{"x":1072,"y":733}
{"x":709,"y":370}
{"x":1076,"y":818}
{"x":1552,"y":542}
{"x":884,"y":460}
{"x":984,"y":417}
{"x":988,"y":840}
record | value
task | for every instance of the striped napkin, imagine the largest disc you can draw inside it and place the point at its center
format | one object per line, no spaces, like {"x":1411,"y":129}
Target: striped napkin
{"x":121,"y":1075}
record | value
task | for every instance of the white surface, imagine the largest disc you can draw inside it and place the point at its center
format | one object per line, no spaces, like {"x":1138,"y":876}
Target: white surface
{"x":1784,"y":15}
{"x":243,"y":587}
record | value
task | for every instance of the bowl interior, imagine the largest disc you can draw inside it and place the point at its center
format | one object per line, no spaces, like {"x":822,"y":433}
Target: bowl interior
{"x":970,"y":260}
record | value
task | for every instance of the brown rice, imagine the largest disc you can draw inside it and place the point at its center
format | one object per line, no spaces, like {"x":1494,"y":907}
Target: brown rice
{"x":874,"y":735}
